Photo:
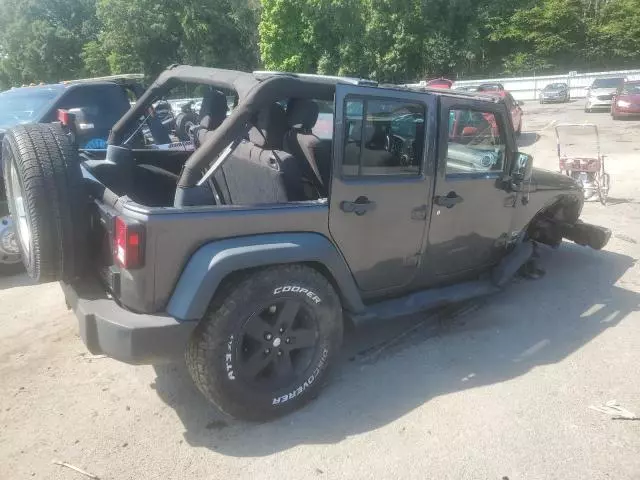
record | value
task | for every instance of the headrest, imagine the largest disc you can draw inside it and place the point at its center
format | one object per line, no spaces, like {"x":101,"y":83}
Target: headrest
{"x":213,"y":110}
{"x":302,"y":113}
{"x":272,"y":122}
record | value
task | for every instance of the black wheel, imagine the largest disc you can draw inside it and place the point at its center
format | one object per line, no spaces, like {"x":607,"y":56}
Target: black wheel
{"x":603,"y":190}
{"x":184,"y":122}
{"x":46,"y":199}
{"x":267,"y":342}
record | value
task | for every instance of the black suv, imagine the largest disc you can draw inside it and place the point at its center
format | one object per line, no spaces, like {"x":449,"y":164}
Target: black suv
{"x":100,"y":101}
{"x":248,"y":254}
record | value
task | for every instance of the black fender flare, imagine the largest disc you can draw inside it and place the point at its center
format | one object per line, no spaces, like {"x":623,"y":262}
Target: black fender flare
{"x":214,"y":261}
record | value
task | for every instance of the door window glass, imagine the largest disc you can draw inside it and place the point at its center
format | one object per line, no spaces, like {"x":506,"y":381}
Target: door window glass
{"x":383,"y":137}
{"x":475,"y":143}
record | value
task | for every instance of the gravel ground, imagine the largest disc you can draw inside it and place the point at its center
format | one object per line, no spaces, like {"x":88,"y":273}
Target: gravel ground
{"x":491,"y":390}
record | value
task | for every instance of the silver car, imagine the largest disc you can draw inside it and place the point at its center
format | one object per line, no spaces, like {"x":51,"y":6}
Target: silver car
{"x":600,"y":93}
{"x":555,"y":92}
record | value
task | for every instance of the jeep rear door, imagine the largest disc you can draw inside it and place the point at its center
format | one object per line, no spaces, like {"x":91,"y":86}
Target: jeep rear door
{"x":472,"y":206}
{"x":381,"y":182}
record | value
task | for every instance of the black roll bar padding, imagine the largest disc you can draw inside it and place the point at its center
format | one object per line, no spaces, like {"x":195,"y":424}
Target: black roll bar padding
{"x":240,"y":82}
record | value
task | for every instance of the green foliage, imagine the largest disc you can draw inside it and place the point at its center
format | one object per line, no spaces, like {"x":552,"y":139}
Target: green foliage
{"x":402,"y":40}
{"x":389,"y":40}
{"x":41,"y":40}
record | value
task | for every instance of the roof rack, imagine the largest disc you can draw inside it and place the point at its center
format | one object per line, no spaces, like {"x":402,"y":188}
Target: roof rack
{"x":262,"y":74}
{"x":110,"y":78}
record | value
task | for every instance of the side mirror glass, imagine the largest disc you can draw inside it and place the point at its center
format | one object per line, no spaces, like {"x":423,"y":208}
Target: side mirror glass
{"x":523,"y":168}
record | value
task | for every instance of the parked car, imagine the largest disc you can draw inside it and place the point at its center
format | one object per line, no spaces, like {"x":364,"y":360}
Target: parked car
{"x":440,"y":83}
{"x":626,"y":102}
{"x":247,"y":255}
{"x":514,"y":106}
{"x":601,"y":92}
{"x":491,"y":87}
{"x":102,"y":102}
{"x":467,"y":88}
{"x":555,"y":92}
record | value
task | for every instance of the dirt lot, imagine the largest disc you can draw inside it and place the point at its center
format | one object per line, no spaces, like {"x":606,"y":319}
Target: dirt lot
{"x":494,"y":390}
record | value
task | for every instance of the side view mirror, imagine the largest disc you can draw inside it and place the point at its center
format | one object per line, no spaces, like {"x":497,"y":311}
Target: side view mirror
{"x":469,"y":131}
{"x":523,"y":168}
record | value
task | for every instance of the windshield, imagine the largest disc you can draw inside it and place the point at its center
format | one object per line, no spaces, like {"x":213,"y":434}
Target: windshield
{"x":607,"y":83}
{"x":25,"y":105}
{"x":555,"y":86}
{"x":631,"y":89}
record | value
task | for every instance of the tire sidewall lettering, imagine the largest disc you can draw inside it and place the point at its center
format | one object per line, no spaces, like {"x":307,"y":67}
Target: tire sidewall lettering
{"x":313,"y":296}
{"x":311,"y":379}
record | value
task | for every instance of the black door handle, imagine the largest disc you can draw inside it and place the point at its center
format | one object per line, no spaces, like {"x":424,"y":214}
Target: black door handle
{"x":450,"y":201}
{"x":361,"y":206}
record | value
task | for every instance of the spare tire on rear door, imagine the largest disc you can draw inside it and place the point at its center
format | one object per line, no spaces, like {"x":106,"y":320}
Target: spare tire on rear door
{"x":46,"y":199}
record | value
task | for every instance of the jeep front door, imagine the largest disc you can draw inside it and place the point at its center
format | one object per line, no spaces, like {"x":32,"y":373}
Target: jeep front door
{"x":381,"y":183}
{"x":472,"y":209}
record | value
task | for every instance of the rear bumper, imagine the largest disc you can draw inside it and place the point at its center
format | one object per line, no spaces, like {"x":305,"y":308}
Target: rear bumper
{"x":597,"y":103}
{"x":626,"y":112}
{"x":107,"y":328}
{"x":554,"y":99}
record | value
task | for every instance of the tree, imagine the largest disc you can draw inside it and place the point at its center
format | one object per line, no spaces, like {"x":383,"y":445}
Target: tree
{"x":148,"y":35}
{"x":41,"y":40}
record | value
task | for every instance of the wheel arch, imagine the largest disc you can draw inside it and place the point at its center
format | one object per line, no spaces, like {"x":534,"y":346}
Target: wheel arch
{"x":218,"y":262}
{"x":563,"y":208}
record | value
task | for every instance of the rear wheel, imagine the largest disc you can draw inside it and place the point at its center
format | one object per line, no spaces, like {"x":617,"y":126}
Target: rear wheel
{"x":46,"y":199}
{"x":266,"y":344}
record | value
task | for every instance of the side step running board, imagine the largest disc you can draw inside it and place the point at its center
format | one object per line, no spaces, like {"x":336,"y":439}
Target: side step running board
{"x":439,"y":297}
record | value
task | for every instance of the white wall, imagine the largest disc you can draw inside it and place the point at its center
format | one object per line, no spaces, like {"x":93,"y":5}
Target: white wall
{"x":528,"y":88}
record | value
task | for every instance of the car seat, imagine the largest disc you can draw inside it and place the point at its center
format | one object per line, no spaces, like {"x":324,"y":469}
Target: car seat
{"x":302,"y":115}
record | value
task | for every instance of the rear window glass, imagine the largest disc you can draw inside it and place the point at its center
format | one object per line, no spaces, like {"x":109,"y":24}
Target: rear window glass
{"x":608,"y":82}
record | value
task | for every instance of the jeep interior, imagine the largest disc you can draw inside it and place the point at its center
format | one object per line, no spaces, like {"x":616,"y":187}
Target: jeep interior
{"x":277,"y":152}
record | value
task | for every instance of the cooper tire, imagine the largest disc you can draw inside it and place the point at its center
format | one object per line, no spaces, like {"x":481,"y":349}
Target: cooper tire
{"x":46,"y":198}
{"x":285,"y":323}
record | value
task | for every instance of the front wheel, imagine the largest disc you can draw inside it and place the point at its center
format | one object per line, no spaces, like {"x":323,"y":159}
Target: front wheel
{"x":266,"y":344}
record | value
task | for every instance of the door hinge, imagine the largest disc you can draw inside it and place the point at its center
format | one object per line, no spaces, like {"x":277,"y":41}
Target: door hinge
{"x":419,"y":213}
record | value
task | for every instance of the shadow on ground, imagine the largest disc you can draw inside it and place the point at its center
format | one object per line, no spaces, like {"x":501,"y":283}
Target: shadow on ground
{"x":391,"y":369}
{"x":527,"y":139}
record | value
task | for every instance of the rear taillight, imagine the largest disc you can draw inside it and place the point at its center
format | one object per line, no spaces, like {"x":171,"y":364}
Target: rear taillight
{"x":128,"y":244}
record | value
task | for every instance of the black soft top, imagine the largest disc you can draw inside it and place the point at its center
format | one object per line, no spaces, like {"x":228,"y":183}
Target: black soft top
{"x":255,"y":91}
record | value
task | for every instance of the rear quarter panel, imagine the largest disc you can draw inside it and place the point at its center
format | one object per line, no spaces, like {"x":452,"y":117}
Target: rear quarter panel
{"x":173,"y":236}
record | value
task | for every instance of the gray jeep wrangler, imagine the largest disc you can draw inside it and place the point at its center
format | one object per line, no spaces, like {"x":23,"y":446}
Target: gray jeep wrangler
{"x":313,"y":200}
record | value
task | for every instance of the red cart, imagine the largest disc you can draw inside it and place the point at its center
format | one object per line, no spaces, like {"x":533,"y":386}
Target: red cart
{"x":580,"y":158}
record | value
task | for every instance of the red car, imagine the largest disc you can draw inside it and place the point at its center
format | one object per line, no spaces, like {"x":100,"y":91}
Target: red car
{"x":513,"y":105}
{"x":626,"y":102}
{"x":440,"y":83}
